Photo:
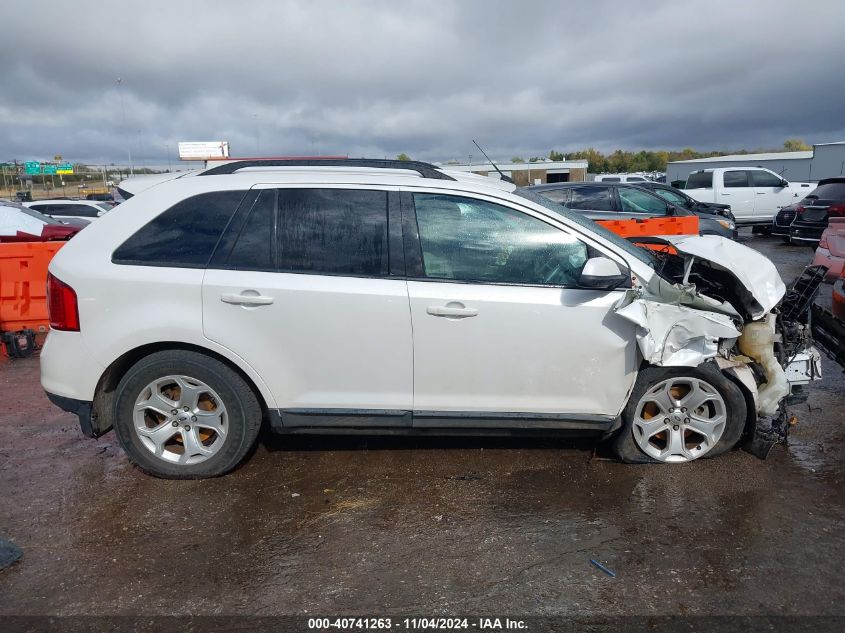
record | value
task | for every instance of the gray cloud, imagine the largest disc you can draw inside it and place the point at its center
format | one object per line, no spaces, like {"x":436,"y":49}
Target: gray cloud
{"x":377,"y":78}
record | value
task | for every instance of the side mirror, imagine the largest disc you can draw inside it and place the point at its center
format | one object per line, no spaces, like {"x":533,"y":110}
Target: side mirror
{"x":602,"y":273}
{"x":784,"y":183}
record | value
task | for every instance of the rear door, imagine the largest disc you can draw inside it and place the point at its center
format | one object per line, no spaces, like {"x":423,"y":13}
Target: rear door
{"x":738,"y":191}
{"x":303,"y":287}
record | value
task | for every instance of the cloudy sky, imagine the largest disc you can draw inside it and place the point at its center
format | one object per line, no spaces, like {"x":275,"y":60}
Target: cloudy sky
{"x":369,"y":78}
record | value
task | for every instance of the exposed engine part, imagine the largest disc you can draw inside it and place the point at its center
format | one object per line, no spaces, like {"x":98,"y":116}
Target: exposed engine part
{"x":767,"y":433}
{"x":800,"y":296}
{"x":758,"y":342}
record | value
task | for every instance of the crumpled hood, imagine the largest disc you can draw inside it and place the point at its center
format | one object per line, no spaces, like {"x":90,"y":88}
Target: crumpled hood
{"x":754,"y":271}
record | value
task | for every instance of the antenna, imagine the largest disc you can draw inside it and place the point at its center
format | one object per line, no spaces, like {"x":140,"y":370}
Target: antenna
{"x":501,"y":175}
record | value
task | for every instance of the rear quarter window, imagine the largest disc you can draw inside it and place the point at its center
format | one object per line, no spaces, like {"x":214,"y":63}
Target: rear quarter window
{"x":183,"y":236}
{"x":830,"y":191}
{"x":700,"y":180}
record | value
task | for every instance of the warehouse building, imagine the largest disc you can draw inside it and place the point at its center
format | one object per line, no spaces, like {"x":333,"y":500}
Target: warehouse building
{"x":825,"y":160}
{"x":524,"y":174}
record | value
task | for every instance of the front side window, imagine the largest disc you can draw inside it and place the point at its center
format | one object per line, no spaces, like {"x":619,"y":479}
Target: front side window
{"x":465,"y":239}
{"x":79,"y":210}
{"x":636,"y":201}
{"x":591,"y":199}
{"x":333,"y":231}
{"x":671,"y":197}
{"x":736,"y":179}
{"x":765,"y":179}
{"x":184,"y":236}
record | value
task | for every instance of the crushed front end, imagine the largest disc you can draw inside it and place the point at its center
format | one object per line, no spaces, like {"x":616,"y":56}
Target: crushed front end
{"x":716,"y":300}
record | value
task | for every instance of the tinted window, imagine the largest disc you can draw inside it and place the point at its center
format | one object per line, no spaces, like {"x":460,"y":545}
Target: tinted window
{"x":561,"y":196}
{"x":332,"y":231}
{"x":81,"y":210}
{"x":830,"y":191}
{"x":611,"y":179}
{"x":700,"y":180}
{"x":591,"y":198}
{"x":183,"y":236}
{"x":736,"y":179}
{"x":765,"y":179}
{"x":635,"y":179}
{"x":636,"y":201}
{"x":473,"y":240}
{"x":253,"y":246}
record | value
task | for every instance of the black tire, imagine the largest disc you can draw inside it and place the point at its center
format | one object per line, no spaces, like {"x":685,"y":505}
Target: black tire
{"x":242,"y":407}
{"x":626,"y":447}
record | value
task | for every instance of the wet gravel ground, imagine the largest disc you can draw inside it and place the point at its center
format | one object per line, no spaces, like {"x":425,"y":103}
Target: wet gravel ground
{"x":382,"y":526}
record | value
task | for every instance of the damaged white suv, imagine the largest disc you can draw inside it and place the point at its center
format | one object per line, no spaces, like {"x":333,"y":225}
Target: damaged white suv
{"x":380,"y":296}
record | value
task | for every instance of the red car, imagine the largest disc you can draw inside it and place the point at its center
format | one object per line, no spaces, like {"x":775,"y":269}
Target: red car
{"x":19,"y":224}
{"x":831,"y":249}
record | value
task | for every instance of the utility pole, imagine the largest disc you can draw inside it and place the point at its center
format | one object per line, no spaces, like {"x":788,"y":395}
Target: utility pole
{"x":125,"y":132}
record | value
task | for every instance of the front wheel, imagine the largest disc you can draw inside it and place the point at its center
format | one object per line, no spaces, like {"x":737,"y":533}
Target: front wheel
{"x":678,"y":414}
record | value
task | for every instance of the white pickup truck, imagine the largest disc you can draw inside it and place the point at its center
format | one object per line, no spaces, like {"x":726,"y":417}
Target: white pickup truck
{"x":754,"y":194}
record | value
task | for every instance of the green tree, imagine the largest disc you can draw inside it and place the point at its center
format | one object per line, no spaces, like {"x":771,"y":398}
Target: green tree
{"x":517,"y":159}
{"x":556,"y":156}
{"x":403,"y":156}
{"x":795,"y":145}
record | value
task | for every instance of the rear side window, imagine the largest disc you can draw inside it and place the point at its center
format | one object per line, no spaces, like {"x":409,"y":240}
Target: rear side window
{"x":591,"y":199}
{"x":79,"y":210}
{"x":253,"y":245}
{"x":332,"y":231}
{"x":635,"y":179}
{"x":700,"y":180}
{"x":611,"y":179}
{"x":736,"y":179}
{"x":184,"y":236}
{"x":561,"y":196}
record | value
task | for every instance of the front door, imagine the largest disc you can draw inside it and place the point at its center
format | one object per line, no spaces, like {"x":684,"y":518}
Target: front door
{"x":500,"y":331}
{"x":300,"y":288}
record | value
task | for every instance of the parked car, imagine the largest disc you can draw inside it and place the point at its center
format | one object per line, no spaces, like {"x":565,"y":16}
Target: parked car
{"x":623,"y":201}
{"x":831,"y":249}
{"x":783,"y":220}
{"x":401,"y":297}
{"x":620,"y":178}
{"x":753,"y":193}
{"x":678,"y":198}
{"x":827,"y":201}
{"x":20,"y":224}
{"x":70,"y":209}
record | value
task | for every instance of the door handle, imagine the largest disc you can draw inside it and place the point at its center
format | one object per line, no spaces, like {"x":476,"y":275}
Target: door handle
{"x":761,"y":193}
{"x":453,"y":310}
{"x":246,"y":300}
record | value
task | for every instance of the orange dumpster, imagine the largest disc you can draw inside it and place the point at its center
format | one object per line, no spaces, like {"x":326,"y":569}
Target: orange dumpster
{"x":23,"y":285}
{"x":654,"y":227}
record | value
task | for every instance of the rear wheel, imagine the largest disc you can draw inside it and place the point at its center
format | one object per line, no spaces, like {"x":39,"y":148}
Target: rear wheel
{"x":678,"y":414}
{"x":184,"y":415}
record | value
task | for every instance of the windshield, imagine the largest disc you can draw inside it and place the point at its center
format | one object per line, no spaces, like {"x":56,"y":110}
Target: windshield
{"x":104,"y":206}
{"x":642,"y":254}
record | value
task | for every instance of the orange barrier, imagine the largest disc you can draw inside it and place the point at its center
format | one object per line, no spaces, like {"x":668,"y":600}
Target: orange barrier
{"x":652,"y":227}
{"x":23,"y":285}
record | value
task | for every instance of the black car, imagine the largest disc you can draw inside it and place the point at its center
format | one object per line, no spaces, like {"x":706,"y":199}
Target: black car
{"x":626,"y":201}
{"x":681,"y":199}
{"x":783,"y":221}
{"x":811,"y":214}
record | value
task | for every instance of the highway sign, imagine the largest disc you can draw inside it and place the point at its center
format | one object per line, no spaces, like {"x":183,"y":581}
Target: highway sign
{"x":32,"y":167}
{"x":65,"y":168}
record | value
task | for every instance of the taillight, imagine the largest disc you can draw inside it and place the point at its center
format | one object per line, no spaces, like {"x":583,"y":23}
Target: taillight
{"x":836,"y":210}
{"x":823,"y":241}
{"x":799,"y":210}
{"x":62,"y":306}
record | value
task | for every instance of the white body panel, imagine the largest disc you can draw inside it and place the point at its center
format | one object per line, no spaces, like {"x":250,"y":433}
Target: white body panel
{"x":323,"y":342}
{"x":752,"y":204}
{"x":529,"y":349}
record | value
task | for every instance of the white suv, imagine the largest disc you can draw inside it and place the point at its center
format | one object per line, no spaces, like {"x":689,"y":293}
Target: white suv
{"x":373,"y":296}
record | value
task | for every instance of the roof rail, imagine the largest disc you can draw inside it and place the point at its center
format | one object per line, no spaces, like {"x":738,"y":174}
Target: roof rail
{"x":426,"y":170}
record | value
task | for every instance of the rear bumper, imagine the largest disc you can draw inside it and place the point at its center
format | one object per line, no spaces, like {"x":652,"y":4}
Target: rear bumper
{"x":806,"y":233}
{"x":80,"y":408}
{"x":781,"y":230}
{"x":839,"y":300}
